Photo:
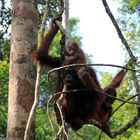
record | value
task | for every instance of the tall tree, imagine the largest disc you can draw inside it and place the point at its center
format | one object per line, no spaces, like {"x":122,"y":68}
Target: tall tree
{"x":21,"y":71}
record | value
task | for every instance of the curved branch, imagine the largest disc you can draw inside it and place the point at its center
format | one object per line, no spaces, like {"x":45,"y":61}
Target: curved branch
{"x":97,"y":124}
{"x":117,"y":28}
{"x":76,"y":90}
{"x":85,"y":65}
{"x":126,"y":101}
{"x":136,"y":82}
{"x":115,"y":133}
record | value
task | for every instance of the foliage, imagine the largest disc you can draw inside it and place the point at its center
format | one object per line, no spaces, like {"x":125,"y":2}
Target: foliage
{"x":132,"y":5}
{"x":4,"y":49}
{"x":74,"y":34}
{"x":5,"y":17}
{"x":53,"y":4}
{"x":43,"y":129}
{"x":126,"y":112}
{"x":5,"y":21}
{"x":129,"y":19}
{"x":3,"y":97}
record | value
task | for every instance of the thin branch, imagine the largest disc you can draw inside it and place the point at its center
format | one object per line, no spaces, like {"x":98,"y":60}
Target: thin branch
{"x":117,"y":28}
{"x":99,"y":137}
{"x":97,"y":124}
{"x":126,"y":101}
{"x":115,"y":133}
{"x":62,"y":131}
{"x":49,"y":115}
{"x":44,"y":18}
{"x":58,"y":134}
{"x":63,"y":31}
{"x":59,"y":24}
{"x":124,"y":128}
{"x":135,"y":78}
{"x":79,"y":135}
{"x":100,"y":92}
{"x":33,"y":109}
{"x":36,"y":95}
{"x":136,"y":82}
{"x":86,"y":65}
{"x":121,"y":100}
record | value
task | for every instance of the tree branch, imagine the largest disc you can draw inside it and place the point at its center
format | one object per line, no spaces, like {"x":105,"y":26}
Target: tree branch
{"x":33,"y":109}
{"x":136,"y":82}
{"x":86,"y":65}
{"x":94,"y":122}
{"x":36,"y":94}
{"x":126,"y":46}
{"x":44,"y":18}
{"x":117,"y":28}
{"x":115,"y":133}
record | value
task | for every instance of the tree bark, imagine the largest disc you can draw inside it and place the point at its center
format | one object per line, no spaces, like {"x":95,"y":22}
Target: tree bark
{"x":21,"y":71}
{"x":66,"y":18}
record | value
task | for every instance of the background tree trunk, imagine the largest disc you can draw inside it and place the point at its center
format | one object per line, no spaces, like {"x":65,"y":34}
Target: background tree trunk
{"x":66,"y":18}
{"x":22,"y":71}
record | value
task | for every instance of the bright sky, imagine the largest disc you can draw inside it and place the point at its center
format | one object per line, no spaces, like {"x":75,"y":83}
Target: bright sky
{"x":99,"y":35}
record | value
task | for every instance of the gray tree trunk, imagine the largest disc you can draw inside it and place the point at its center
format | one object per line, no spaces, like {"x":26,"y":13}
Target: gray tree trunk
{"x":21,"y":71}
{"x":66,"y":18}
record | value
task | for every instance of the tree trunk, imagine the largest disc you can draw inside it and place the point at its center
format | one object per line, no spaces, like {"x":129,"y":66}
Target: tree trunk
{"x":21,"y":71}
{"x":66,"y":18}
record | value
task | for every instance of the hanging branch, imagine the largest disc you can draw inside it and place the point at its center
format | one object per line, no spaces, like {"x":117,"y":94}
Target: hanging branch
{"x":117,"y":28}
{"x":33,"y":109}
{"x":62,"y":131}
{"x":136,"y":118}
{"x":63,"y":31}
{"x":62,"y":134}
{"x":124,"y":42}
{"x":44,"y":18}
{"x":36,"y":95}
